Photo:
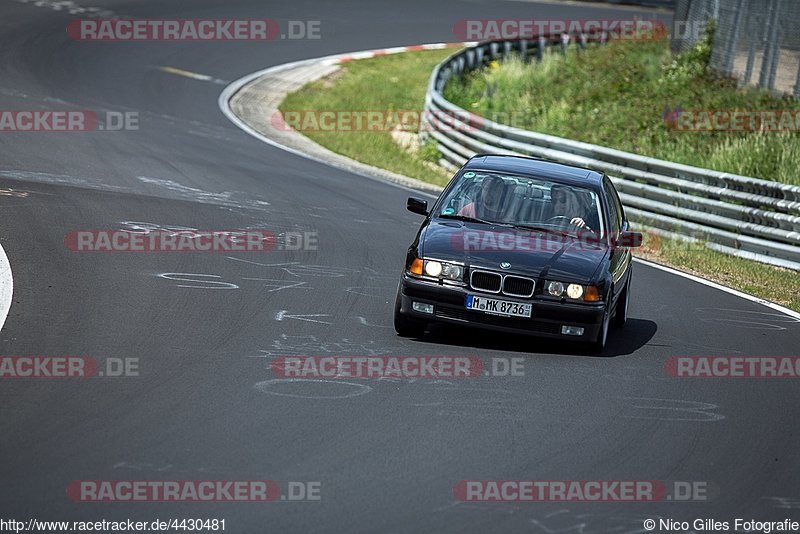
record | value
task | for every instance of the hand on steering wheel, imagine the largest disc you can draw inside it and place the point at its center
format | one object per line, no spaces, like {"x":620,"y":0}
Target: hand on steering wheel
{"x":577,"y":221}
{"x":580,"y":223}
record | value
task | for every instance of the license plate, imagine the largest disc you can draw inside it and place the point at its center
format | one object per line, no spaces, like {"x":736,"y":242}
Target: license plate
{"x":505,"y":308}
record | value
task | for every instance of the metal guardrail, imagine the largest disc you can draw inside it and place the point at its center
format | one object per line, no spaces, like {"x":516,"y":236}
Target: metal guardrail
{"x":739,"y":215}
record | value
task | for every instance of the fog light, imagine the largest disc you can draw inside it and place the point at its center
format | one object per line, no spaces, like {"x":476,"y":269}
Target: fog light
{"x":423,"y":308}
{"x":572,"y":330}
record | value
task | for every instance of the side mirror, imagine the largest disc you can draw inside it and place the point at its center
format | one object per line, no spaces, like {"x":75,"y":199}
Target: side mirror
{"x":628,"y":240}
{"x":415,"y":205}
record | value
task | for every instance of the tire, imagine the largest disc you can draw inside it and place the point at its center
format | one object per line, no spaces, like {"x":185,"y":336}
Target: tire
{"x":602,"y":336}
{"x":621,"y":313}
{"x":406,"y":326}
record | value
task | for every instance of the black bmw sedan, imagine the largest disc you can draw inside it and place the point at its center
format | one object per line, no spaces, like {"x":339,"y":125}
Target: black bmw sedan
{"x":520,"y":245}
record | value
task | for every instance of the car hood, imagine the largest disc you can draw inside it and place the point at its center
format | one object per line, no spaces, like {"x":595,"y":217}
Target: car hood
{"x":531,"y":253}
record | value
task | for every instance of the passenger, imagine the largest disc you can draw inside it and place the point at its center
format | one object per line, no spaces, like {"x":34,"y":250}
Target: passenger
{"x":488,"y":202}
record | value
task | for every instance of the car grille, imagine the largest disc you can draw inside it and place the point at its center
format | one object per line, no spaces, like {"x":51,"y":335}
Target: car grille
{"x":485,"y":281}
{"x":517,"y":286}
{"x":513,"y":286}
{"x":463,"y":314}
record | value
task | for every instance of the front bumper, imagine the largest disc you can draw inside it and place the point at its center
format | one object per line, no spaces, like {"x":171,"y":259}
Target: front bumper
{"x":546,"y":320}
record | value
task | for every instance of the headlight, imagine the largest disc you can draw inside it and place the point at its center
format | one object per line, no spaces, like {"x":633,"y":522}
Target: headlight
{"x":573,"y":291}
{"x":555,"y":288}
{"x":452,"y":271}
{"x":443,"y":270}
{"x":433,"y":268}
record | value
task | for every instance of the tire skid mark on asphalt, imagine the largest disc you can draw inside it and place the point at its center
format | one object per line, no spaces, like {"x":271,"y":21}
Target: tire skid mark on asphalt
{"x":71,"y":8}
{"x":678,"y":341}
{"x":233,"y":199}
{"x":309,"y":345}
{"x":658,"y":406}
{"x":784,"y":503}
{"x":60,"y":179}
{"x":356,"y":389}
{"x":747,"y":318}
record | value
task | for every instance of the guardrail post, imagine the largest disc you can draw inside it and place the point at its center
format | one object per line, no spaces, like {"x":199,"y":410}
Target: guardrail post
{"x":730,"y":53}
{"x":769,"y":44}
{"x":582,"y":39}
{"x":506,"y":50}
{"x":564,"y":43}
{"x":470,"y":56}
{"x":523,"y":50}
{"x":797,"y":81}
{"x":493,"y":51}
{"x":776,"y":48}
{"x":540,"y":48}
{"x":755,"y":37}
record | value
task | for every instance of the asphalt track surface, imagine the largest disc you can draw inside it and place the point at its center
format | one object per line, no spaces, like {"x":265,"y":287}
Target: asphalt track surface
{"x":387,"y":453}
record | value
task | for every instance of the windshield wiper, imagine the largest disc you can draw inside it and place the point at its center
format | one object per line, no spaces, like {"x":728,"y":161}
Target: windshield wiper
{"x":472,"y":219}
{"x":543,"y":229}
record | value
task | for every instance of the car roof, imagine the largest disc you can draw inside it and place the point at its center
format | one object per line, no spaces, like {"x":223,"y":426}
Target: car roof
{"x":536,"y":168}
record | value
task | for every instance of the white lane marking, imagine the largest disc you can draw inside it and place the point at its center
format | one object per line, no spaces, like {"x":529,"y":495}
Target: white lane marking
{"x":6,"y":286}
{"x":284,"y":314}
{"x":193,"y":75}
{"x":751,"y":298}
{"x":232,"y":89}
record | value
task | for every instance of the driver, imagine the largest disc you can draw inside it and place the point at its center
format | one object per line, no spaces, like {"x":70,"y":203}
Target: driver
{"x":488,"y":202}
{"x":565,"y":204}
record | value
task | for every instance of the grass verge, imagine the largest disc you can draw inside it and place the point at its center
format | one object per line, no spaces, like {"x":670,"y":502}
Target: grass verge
{"x":362,"y":85}
{"x":393,"y":83}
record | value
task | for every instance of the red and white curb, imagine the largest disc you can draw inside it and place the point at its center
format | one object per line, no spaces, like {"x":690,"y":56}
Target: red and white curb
{"x":344,"y":58}
{"x":336,"y":59}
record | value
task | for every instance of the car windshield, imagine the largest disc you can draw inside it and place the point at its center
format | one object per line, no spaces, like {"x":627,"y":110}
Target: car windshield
{"x":532,"y":203}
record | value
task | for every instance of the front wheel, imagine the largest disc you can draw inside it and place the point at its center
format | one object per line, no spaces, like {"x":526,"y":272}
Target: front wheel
{"x":621,"y":313}
{"x":602,"y":336}
{"x":406,"y":326}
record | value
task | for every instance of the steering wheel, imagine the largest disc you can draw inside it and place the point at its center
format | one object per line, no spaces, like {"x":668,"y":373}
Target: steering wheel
{"x":557,"y":217}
